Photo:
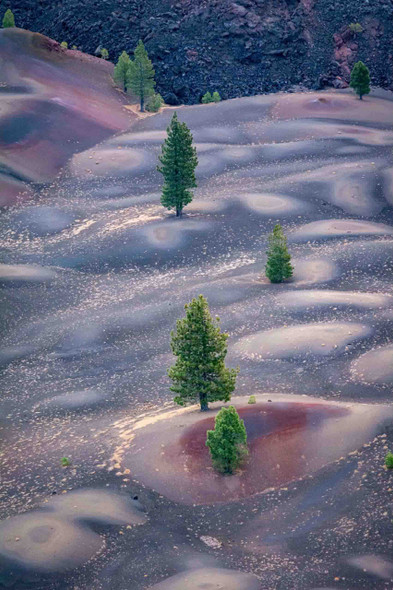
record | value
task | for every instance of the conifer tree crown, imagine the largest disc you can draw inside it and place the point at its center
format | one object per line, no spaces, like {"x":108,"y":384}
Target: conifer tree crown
{"x":8,"y":19}
{"x":360,"y":79}
{"x":228,"y":441}
{"x":278,"y":265}
{"x":199,"y":373}
{"x":178,"y":162}
{"x":140,"y":75}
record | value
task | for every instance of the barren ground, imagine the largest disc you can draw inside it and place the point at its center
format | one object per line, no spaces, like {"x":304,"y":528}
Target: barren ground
{"x":95,"y":273}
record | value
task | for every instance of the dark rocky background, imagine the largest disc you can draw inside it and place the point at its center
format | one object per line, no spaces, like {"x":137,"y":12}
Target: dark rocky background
{"x":240,"y":47}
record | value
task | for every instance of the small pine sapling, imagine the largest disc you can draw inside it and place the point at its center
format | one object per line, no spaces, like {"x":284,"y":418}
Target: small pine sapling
{"x":207,"y":97}
{"x":8,"y":19}
{"x":228,"y":441}
{"x":360,"y":79}
{"x":278,"y":265}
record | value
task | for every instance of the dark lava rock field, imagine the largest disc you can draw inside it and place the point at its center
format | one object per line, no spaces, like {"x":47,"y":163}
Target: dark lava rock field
{"x":239,"y":48}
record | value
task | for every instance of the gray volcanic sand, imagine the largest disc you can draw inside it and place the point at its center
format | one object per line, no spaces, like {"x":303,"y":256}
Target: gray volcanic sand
{"x":103,"y":278}
{"x":318,"y":339}
{"x":74,"y":400}
{"x":375,"y":366}
{"x":273,"y":204}
{"x":45,"y":542}
{"x":209,"y":579}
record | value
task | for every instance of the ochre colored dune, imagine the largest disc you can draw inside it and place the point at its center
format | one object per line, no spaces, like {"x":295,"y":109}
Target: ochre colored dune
{"x":53,"y":103}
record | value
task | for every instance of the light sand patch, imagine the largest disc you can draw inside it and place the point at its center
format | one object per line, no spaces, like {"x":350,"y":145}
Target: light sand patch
{"x":354,"y":194}
{"x":26,"y":273}
{"x":97,"y":505}
{"x":75,"y":399}
{"x":205,"y":205}
{"x":333,"y":228}
{"x":375,"y":366}
{"x":210,"y":579}
{"x":301,"y":300}
{"x":373,"y":564}
{"x":315,"y":339}
{"x":107,"y":162}
{"x":41,"y":541}
{"x":171,"y":233}
{"x":41,"y":221}
{"x":313,"y":270}
{"x":276,"y":205}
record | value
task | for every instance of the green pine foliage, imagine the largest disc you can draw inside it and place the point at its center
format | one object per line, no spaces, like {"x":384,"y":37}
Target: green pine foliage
{"x":154,"y":103}
{"x":64,"y":44}
{"x":104,"y":53}
{"x":121,"y":70}
{"x":360,"y":79}
{"x":207,"y":97}
{"x":228,"y":441}
{"x":389,"y":460}
{"x":140,"y":75}
{"x":278,"y":265}
{"x":199,"y":373}
{"x":8,"y":19}
{"x":178,"y":162}
{"x":252,"y":399}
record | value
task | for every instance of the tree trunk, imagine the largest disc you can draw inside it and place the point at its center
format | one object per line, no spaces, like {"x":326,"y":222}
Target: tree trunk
{"x":142,"y":104}
{"x":361,"y":96}
{"x":204,"y":404}
{"x":178,"y":212}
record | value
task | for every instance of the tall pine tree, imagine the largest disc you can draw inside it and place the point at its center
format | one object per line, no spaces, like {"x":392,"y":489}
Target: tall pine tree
{"x":278,"y":265}
{"x":228,"y":441}
{"x":199,"y":373}
{"x":8,"y":19}
{"x":179,"y":160}
{"x":121,"y":70}
{"x":140,"y":75}
{"x":360,"y":79}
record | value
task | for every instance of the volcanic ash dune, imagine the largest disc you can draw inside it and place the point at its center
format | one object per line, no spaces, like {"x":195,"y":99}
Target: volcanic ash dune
{"x":314,"y":339}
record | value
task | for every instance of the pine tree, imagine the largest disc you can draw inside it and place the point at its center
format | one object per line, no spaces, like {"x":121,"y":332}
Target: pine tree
{"x":8,"y":19}
{"x":199,"y":373}
{"x":360,"y":79}
{"x":179,"y":160}
{"x":228,"y":441}
{"x":121,"y":70}
{"x":278,"y":265}
{"x":104,"y":53}
{"x":140,"y":75}
{"x":207,"y":97}
{"x":216,"y":97}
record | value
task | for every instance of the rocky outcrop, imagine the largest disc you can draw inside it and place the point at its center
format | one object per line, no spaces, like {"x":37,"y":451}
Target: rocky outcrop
{"x":238,"y":47}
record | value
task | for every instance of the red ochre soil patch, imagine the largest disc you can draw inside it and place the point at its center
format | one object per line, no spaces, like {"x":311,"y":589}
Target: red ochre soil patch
{"x":279,"y":449}
{"x":287,"y":440}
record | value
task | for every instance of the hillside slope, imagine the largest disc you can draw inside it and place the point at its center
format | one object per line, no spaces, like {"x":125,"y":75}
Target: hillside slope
{"x":238,"y":47}
{"x":53,"y":103}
